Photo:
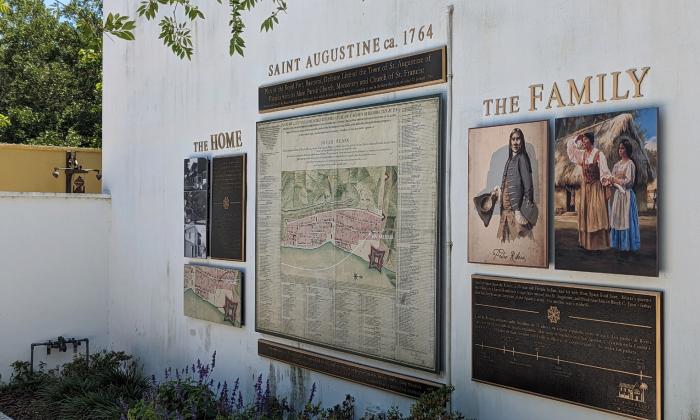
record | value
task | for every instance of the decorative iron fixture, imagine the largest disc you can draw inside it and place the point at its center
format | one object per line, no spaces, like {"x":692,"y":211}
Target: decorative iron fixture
{"x":74,"y":167}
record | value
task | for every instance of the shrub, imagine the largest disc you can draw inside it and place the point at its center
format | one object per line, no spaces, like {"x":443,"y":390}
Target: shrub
{"x":112,"y":387}
{"x":102,"y":390}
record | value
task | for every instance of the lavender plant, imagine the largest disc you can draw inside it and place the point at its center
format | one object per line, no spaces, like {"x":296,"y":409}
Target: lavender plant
{"x":190,"y":393}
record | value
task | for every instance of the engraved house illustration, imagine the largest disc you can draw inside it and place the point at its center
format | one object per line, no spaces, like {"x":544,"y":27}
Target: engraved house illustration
{"x":632,"y":392}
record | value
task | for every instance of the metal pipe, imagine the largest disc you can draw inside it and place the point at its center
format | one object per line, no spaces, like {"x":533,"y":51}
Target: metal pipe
{"x":448,"y":202}
{"x":61,"y":344}
{"x":31,"y":368}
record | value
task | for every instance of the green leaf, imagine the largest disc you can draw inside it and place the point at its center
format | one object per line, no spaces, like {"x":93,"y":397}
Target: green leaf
{"x":5,"y":121}
{"x":129,"y":36}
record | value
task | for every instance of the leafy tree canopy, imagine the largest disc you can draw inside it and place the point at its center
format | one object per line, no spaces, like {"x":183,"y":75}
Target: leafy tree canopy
{"x":50,"y":61}
{"x":50,"y":72}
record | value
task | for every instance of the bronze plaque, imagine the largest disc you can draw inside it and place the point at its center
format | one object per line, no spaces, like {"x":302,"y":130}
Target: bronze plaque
{"x":381,"y":379}
{"x":228,"y":204}
{"x":406,"y":72}
{"x":598,"y":347}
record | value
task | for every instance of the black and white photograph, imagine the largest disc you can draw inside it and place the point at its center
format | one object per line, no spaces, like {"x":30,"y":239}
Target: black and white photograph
{"x":196,"y":208}
{"x":196,"y":174}
{"x":196,"y":198}
{"x":196,"y":241}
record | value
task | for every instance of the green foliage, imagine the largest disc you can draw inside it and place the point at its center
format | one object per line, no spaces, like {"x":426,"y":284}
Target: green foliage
{"x":112,"y":387}
{"x":269,"y":22}
{"x":97,"y":391}
{"x":112,"y":381}
{"x":431,"y":406}
{"x":120,"y":26}
{"x":51,"y":65}
{"x":176,"y":33}
{"x":4,"y":121}
{"x":21,"y":374}
{"x":434,"y":406}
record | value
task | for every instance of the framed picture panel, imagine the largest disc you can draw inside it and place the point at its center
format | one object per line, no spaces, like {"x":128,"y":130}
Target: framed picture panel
{"x":347,"y":240}
{"x":508,"y":208}
{"x":214,"y":294}
{"x":606,"y":193}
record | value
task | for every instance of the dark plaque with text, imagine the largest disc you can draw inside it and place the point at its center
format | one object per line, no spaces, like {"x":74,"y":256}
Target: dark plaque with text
{"x":366,"y":375}
{"x":593,"y":346}
{"x":228,"y":204}
{"x":407,"y":72}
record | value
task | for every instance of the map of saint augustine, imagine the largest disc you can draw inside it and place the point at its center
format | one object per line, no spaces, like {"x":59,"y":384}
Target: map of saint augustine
{"x":213,"y":294}
{"x":339,"y":224}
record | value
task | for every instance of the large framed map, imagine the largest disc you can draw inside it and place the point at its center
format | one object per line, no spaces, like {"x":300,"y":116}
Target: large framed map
{"x":347,"y":230}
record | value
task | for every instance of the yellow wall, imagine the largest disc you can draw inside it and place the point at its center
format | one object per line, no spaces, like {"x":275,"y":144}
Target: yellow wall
{"x":28,"y":168}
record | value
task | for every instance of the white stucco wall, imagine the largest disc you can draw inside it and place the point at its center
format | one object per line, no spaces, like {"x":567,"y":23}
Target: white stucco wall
{"x":54,"y":274}
{"x":156,"y":105}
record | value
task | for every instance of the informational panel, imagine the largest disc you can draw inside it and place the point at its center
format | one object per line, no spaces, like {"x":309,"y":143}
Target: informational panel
{"x":347,"y":230}
{"x":196,"y":186}
{"x":593,"y":346}
{"x":228,"y":204}
{"x":214,"y":294}
{"x":412,"y":71}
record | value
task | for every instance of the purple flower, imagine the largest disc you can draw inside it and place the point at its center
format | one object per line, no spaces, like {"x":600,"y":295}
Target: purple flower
{"x":235,"y":386}
{"x":239,"y":403}
{"x":223,"y":397}
{"x":313,"y":392}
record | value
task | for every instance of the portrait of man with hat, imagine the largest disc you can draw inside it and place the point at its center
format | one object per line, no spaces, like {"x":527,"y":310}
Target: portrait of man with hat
{"x":508,"y":183}
{"x":518,"y":210}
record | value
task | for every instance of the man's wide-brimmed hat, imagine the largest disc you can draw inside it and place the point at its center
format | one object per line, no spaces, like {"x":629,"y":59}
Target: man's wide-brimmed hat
{"x":485,"y":204}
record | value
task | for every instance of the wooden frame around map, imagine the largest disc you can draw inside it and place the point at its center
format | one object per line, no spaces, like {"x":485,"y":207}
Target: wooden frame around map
{"x":435,"y":363}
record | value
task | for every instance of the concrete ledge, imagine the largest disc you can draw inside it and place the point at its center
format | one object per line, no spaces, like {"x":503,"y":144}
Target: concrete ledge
{"x":4,"y":417}
{"x":7,"y":146}
{"x":11,"y":194}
